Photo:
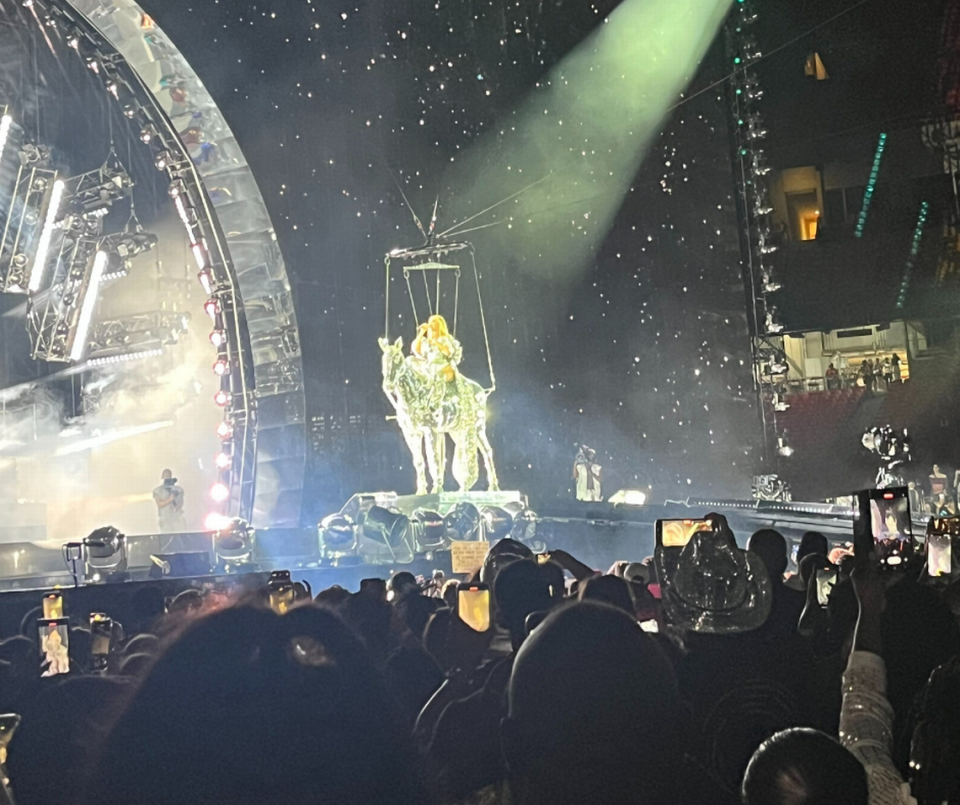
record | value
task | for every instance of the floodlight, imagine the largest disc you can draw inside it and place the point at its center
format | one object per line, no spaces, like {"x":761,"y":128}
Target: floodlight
{"x":224,"y":430}
{"x":221,"y":367}
{"x":233,"y":544}
{"x":104,"y":554}
{"x":219,"y":492}
{"x":222,"y":460}
{"x":338,"y":537}
{"x":497,"y":522}
{"x":218,"y":338}
{"x":464,"y":521}
{"x":430,"y":529}
{"x":222,"y":398}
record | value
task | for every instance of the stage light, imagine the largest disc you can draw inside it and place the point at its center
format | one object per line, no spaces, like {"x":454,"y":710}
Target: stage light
{"x":629,"y":497}
{"x":222,"y":398}
{"x":219,"y":492}
{"x":497,"y":522}
{"x":104,"y":553}
{"x":218,"y":338}
{"x":212,"y":307}
{"x":464,"y":520}
{"x":147,"y":133}
{"x":87,"y":307}
{"x":223,"y":461}
{"x":199,"y":255}
{"x":224,"y":430}
{"x":221,"y":367}
{"x":43,"y":245}
{"x":5,"y":123}
{"x":338,"y":536}
{"x":215,"y":521}
{"x":73,"y":41}
{"x":162,"y":160}
{"x":177,"y":188}
{"x":233,"y":543}
{"x":783,"y":448}
{"x":430,"y":529}
{"x":206,"y":280}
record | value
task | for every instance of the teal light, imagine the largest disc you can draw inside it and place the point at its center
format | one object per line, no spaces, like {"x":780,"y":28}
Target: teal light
{"x":914,"y":251}
{"x":871,"y":183}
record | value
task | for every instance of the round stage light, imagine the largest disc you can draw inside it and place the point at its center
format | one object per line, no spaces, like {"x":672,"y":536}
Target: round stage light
{"x":221,"y":367}
{"x":218,"y":338}
{"x":219,"y":492}
{"x":224,"y":430}
{"x":222,"y":398}
{"x":222,"y":460}
{"x":212,"y":307}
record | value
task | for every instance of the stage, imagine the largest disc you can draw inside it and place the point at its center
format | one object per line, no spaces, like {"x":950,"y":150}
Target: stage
{"x":598,"y":534}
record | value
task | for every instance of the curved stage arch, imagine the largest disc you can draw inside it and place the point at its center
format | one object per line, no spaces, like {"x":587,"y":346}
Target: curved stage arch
{"x":266,"y":408}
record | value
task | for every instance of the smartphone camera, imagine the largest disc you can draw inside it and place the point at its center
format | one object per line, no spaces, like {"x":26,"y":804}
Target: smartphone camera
{"x":826,"y":581}
{"x":53,"y":606}
{"x":884,"y":516}
{"x":54,"y":640}
{"x":940,"y":535}
{"x":473,"y":606}
{"x":101,"y":635}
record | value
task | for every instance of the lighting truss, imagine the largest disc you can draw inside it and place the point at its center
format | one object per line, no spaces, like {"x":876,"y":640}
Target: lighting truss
{"x":24,"y":225}
{"x":142,"y":335}
{"x":53,"y":320}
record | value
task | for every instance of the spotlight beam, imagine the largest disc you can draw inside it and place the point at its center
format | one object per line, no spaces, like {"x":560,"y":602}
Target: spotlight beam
{"x":588,"y":126}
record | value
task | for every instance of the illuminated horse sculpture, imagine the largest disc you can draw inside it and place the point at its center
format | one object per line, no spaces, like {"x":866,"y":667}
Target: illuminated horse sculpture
{"x":429,"y":406}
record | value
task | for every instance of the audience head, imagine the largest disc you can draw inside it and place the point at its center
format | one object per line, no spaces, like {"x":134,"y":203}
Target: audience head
{"x":254,"y":708}
{"x":520,"y":589}
{"x":608,"y":590}
{"x":594,"y":712}
{"x":935,"y":745}
{"x":400,"y":585}
{"x":65,"y":719}
{"x":812,"y":542}
{"x":771,"y":547}
{"x":501,"y":554}
{"x":804,"y":767}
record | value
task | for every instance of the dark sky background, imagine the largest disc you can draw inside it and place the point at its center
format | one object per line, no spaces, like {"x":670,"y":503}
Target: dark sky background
{"x":643,"y":354}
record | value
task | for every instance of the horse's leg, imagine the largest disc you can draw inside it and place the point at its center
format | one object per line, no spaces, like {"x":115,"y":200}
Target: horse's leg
{"x":486,"y":450}
{"x":435,"y":457}
{"x":415,"y":443}
{"x":466,"y":468}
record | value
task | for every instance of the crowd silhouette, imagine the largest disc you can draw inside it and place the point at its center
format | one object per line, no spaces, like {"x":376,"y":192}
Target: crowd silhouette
{"x":709,"y":676}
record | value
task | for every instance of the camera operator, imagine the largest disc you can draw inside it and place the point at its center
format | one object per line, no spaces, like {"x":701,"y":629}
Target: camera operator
{"x":169,"y":499}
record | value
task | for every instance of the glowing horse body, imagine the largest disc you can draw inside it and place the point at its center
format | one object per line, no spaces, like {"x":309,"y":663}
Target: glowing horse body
{"x":429,"y":407}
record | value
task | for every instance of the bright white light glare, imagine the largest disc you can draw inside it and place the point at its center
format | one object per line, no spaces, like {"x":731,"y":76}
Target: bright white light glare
{"x":629,"y":497}
{"x":218,"y":338}
{"x":200,"y":256}
{"x":43,"y":245}
{"x":215,"y":521}
{"x":87,"y":307}
{"x":224,"y":430}
{"x":5,"y":123}
{"x":182,"y":211}
{"x":212,"y":307}
{"x":221,"y":367}
{"x":222,"y":461}
{"x":219,"y":492}
{"x":222,"y":397}
{"x":125,"y":357}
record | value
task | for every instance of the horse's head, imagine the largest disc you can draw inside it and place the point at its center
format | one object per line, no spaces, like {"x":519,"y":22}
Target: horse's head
{"x":392,"y":360}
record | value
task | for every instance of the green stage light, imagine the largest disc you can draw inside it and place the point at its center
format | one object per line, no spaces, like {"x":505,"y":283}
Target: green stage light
{"x":587,"y":127}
